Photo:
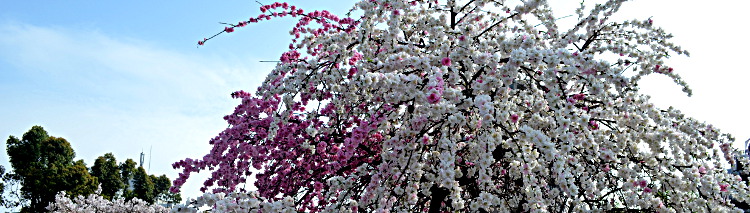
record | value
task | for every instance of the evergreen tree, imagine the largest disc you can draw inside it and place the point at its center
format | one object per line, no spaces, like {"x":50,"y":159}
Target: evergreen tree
{"x":127,"y":169}
{"x":143,"y":186}
{"x":108,"y":173}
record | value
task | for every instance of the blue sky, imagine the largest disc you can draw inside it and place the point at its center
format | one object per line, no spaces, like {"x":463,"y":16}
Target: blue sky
{"x":122,"y":77}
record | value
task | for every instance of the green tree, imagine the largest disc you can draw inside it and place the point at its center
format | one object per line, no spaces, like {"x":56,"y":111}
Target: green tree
{"x":143,"y":186}
{"x":161,"y":190}
{"x":107,"y":171}
{"x":127,"y":169}
{"x":78,"y":180}
{"x":44,"y":165}
{"x":25,"y":153}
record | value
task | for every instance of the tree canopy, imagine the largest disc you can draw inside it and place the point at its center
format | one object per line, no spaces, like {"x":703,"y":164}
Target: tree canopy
{"x":128,"y":181}
{"x":44,"y":165}
{"x":161,"y":190}
{"x":108,"y":173}
{"x":475,"y":105}
{"x":143,"y":186}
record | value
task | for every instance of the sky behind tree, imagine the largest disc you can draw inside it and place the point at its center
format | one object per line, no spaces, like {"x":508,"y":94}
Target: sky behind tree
{"x":126,"y":77}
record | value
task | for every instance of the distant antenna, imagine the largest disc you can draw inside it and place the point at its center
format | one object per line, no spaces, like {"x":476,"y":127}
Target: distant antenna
{"x":149,"y":158}
{"x":142,"y":156}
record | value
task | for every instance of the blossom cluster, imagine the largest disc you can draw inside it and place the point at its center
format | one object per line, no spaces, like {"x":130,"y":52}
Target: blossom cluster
{"x":236,"y":202}
{"x":479,"y":105}
{"x":96,"y":203}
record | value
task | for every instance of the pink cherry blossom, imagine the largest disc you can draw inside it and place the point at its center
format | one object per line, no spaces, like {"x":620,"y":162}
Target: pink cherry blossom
{"x":433,"y":98}
{"x":647,"y":190}
{"x":446,"y":61}
{"x":514,"y":118}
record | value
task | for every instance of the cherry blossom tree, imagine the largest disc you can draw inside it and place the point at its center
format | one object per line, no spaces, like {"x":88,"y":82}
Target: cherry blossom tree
{"x":474,"y":105}
{"x":98,"y":203}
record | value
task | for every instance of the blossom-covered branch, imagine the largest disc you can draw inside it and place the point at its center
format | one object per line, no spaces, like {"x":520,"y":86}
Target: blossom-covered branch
{"x":480,"y":105}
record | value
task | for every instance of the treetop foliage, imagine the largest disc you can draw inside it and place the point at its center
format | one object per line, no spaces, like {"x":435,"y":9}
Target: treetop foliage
{"x":44,"y":165}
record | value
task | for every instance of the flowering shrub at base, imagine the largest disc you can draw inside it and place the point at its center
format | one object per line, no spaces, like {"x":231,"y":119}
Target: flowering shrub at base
{"x":96,"y":203}
{"x":237,"y":202}
{"x":473,"y":105}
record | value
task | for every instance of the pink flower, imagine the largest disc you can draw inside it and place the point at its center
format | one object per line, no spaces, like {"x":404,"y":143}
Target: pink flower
{"x":606,"y":168}
{"x":594,"y":125}
{"x":433,"y":98}
{"x":352,"y":71}
{"x":318,"y":186}
{"x":514,"y":118}
{"x":446,"y":61}
{"x":174,"y":189}
{"x":579,"y":96}
{"x":525,"y":168}
{"x":229,"y":29}
{"x":589,"y":72}
{"x":723,"y":187}
{"x":647,"y":190}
